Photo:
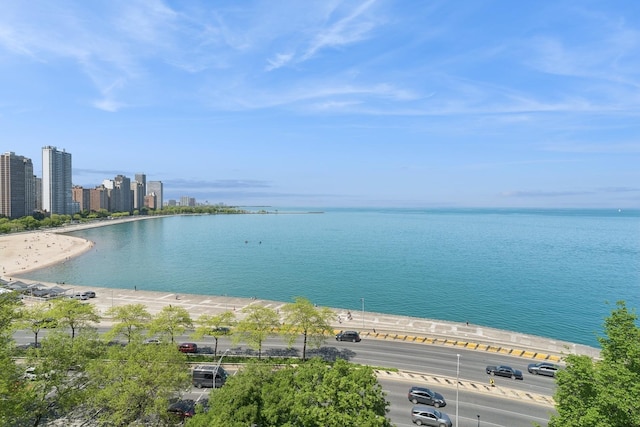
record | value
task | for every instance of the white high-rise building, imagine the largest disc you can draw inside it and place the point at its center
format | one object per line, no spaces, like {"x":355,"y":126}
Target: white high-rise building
{"x":56,"y":181}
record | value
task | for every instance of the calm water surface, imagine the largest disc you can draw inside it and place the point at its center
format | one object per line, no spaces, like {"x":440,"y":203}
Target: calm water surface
{"x":554,"y":273}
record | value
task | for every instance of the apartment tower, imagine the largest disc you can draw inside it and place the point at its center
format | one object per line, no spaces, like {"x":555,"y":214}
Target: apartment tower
{"x":17,"y":186}
{"x":56,"y":181}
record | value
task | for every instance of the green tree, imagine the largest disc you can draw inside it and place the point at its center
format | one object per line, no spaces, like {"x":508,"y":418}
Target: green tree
{"x":171,"y":321}
{"x":74,"y":314}
{"x":135,"y":382}
{"x":14,"y":389}
{"x":239,"y":403}
{"x":311,"y":394}
{"x":35,"y":317}
{"x":302,"y":317}
{"x":258,"y":324}
{"x":131,"y":320}
{"x":606,"y":392}
{"x":214,"y":326}
{"x":60,"y":382}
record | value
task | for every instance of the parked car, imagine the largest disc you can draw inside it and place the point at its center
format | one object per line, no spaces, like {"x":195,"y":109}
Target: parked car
{"x":504,"y":371}
{"x":427,"y":416}
{"x":426,"y":396}
{"x":352,"y":336}
{"x":183,"y":408}
{"x":152,"y":341}
{"x":188,"y":347}
{"x":90,"y":294}
{"x":203,"y":376}
{"x":543,"y":368}
{"x":81,"y":296}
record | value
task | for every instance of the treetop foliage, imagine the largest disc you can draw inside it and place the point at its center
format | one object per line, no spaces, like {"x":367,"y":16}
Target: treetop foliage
{"x":606,"y":392}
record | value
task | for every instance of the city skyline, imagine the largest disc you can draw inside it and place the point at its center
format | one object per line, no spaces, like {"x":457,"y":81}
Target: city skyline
{"x":329,"y":104}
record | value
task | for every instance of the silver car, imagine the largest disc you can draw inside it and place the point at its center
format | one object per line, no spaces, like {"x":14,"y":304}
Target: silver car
{"x":427,"y":416}
{"x":543,"y":368}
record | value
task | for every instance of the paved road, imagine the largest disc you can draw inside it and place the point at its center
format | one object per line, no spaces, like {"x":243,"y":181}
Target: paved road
{"x":442,"y":341}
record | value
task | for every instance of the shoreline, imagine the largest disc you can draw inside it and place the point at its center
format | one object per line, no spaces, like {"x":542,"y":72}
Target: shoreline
{"x":28,"y":251}
{"x":372,"y":325}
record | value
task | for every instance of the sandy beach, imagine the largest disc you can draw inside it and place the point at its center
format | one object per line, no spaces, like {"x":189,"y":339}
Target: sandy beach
{"x":26,"y":251}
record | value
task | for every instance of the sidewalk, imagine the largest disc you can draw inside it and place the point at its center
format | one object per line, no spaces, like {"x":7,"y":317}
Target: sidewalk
{"x":376,"y":325}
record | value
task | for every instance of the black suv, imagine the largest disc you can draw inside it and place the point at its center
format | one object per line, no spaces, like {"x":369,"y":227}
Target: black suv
{"x":426,"y":396}
{"x":352,"y":336}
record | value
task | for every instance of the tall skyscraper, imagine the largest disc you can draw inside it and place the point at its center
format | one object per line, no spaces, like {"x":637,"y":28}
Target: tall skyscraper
{"x":17,"y":186}
{"x":56,"y":181}
{"x":121,"y":199}
{"x":139,"y":188}
{"x":156,"y":188}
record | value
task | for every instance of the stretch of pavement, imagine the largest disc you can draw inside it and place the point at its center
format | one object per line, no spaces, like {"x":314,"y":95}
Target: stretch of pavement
{"x":373,"y":326}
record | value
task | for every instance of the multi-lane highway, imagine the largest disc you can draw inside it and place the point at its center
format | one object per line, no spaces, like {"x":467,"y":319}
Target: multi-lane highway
{"x":511,"y":403}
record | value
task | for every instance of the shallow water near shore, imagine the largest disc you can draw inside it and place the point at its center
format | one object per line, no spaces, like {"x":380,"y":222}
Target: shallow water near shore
{"x":552,"y":273}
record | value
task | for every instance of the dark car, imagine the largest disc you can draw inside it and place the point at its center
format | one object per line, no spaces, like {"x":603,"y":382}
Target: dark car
{"x":543,"y":368}
{"x":90,"y":294}
{"x":183,"y":408}
{"x":352,"y":336}
{"x":426,"y":396}
{"x":428,"y":416}
{"x":187,"y":408}
{"x":504,"y":371}
{"x":188,"y":347}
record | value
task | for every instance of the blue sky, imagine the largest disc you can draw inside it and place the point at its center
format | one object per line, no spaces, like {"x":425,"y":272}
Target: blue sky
{"x":326,"y":103}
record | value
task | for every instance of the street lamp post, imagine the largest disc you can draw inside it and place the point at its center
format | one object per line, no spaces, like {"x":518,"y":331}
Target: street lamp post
{"x":478,"y":420}
{"x":362,"y":299}
{"x":218,"y":366}
{"x":457,"y":386}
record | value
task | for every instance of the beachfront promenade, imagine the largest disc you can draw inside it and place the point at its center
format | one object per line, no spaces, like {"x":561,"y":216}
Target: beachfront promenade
{"x":376,"y":325}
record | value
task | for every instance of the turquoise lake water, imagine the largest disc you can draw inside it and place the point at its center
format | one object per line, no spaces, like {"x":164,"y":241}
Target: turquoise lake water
{"x":553,"y":273}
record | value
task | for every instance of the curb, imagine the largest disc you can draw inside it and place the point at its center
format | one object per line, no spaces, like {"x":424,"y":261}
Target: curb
{"x":465,"y":345}
{"x":466,"y":385}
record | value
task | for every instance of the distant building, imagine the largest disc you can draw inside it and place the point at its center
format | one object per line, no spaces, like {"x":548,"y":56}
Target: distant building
{"x":121,"y":199}
{"x":99,"y":199}
{"x":187,"y":201}
{"x":56,"y":181}
{"x":139,"y":189}
{"x":156,"y":188}
{"x":82,"y":196}
{"x":150,"y":201}
{"x":38,"y":182}
{"x":17,"y":186}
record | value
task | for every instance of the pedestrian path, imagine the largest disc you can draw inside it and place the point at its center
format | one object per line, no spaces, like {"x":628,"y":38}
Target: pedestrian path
{"x":368,"y":324}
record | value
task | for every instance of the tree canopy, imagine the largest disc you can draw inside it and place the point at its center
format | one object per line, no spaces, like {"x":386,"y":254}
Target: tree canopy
{"x":215,"y":326}
{"x":131,"y":320}
{"x":303,"y":318}
{"x":135,"y":382}
{"x":74,"y":314}
{"x":606,"y":392}
{"x":171,"y":321}
{"x":259,"y":323}
{"x":310,"y":394}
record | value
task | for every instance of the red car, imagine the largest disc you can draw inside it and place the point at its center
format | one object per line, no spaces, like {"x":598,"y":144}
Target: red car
{"x":188,"y":347}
